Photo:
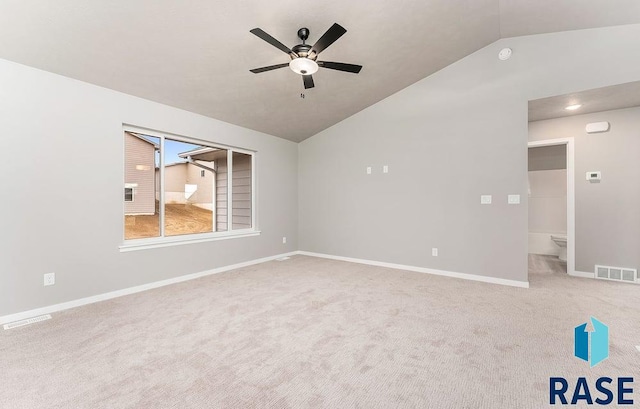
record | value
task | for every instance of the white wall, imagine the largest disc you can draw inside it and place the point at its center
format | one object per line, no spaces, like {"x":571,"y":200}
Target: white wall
{"x":447,"y":139}
{"x":607,"y":213}
{"x":548,"y":201}
{"x":64,"y":212}
{"x":547,"y":209}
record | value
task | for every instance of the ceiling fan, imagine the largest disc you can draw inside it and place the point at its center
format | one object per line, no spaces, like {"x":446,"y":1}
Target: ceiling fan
{"x":304,"y":56}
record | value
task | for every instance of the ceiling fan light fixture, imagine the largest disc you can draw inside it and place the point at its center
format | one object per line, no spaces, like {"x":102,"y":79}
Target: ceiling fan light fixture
{"x":303,"y":66}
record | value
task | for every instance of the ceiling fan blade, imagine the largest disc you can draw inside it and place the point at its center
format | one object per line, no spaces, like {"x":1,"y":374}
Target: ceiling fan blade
{"x":266,"y":37}
{"x":340,"y":66}
{"x":329,"y":37}
{"x":269,"y":68}
{"x":308,"y":81}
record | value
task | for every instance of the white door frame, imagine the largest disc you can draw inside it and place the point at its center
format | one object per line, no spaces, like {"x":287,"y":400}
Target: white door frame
{"x":571,"y":197}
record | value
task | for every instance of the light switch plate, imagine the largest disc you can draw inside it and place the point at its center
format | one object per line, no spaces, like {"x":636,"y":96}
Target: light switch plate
{"x":385,"y":169}
{"x":434,"y":252}
{"x":485,"y":199}
{"x":284,"y":240}
{"x":368,"y":170}
{"x":513,"y":199}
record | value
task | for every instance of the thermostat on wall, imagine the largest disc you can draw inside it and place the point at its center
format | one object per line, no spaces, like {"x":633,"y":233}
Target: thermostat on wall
{"x":594,"y":176}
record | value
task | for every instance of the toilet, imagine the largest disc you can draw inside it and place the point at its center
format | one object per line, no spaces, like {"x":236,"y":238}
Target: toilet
{"x":561,"y":241}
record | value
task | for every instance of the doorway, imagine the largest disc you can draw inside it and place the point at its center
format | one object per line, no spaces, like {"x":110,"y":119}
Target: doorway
{"x":539,"y":241}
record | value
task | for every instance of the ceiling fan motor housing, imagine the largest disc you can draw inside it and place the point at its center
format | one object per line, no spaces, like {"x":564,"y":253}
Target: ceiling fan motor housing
{"x":302,"y":50}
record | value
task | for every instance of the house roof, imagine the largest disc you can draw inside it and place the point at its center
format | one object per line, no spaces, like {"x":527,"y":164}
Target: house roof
{"x":200,"y":165}
{"x":204,"y":153}
{"x":144,"y":139}
{"x":201,"y":58}
{"x":168,"y":165}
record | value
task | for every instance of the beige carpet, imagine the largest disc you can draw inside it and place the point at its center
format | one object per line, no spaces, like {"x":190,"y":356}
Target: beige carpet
{"x":311,"y":332}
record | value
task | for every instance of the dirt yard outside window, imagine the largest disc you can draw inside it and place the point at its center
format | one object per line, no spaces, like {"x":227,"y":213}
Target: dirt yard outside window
{"x":179,"y":219}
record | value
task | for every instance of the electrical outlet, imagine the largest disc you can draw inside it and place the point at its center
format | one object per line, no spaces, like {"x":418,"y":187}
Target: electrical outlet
{"x":513,"y":199}
{"x":49,"y":279}
{"x":284,"y":240}
{"x":485,"y":199}
{"x":434,"y":252}
{"x":368,"y":170}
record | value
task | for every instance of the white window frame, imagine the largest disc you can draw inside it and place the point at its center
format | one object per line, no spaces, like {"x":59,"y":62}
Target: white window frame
{"x":164,"y":241}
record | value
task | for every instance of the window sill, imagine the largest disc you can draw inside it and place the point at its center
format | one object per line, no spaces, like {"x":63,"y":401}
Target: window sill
{"x":154,"y":243}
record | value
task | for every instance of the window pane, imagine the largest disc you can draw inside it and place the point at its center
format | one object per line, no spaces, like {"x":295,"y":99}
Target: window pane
{"x":141,"y":218}
{"x":241,"y":188}
{"x":191,"y":188}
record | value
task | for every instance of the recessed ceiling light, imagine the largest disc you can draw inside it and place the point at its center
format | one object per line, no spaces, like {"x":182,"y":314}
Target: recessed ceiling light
{"x":573,"y":107}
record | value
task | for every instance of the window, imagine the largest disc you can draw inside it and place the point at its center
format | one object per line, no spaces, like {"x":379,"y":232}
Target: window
{"x":185,"y":188}
{"x":128,"y":194}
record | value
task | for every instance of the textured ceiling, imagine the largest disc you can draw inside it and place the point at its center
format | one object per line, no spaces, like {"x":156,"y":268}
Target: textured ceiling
{"x":594,"y":100}
{"x":196,"y":55}
{"x":524,"y":17}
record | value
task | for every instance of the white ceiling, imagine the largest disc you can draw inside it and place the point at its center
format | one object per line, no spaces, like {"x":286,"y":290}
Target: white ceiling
{"x":524,"y":17}
{"x":594,"y":100}
{"x":196,"y":55}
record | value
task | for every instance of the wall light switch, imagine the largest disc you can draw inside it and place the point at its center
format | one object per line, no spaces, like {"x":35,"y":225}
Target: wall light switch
{"x":434,"y":252}
{"x":513,"y":199}
{"x":368,"y":170}
{"x":485,"y":199}
{"x":385,"y":169}
{"x":49,"y":279}
{"x":284,"y":240}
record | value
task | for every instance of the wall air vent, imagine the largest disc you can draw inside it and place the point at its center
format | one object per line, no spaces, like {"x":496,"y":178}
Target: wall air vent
{"x":28,"y":321}
{"x":627,"y":275}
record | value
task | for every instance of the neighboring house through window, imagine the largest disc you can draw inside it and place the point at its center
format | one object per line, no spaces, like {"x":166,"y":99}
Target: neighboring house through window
{"x":184,"y":187}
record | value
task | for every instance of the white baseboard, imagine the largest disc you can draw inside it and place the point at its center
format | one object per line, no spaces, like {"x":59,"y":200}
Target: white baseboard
{"x":583,"y":274}
{"x":131,"y":290}
{"x":464,"y":276}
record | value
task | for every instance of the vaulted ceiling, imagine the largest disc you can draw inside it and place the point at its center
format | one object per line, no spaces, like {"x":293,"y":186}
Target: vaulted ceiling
{"x":196,"y":55}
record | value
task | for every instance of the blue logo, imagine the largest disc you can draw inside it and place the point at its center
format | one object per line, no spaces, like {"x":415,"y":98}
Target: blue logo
{"x":591,"y":345}
{"x":598,"y":339}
